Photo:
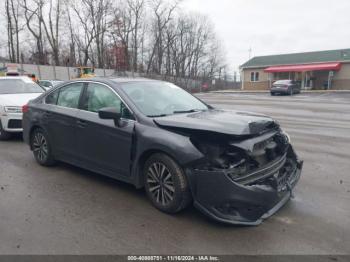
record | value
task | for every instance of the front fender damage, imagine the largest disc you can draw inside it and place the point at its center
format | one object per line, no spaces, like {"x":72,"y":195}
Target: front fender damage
{"x":149,"y":139}
{"x":234,"y":179}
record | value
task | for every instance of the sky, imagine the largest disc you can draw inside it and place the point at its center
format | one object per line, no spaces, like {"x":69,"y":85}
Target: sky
{"x":270,"y":27}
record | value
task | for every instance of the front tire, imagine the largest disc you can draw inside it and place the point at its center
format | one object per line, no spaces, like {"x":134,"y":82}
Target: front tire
{"x":165,"y":184}
{"x":41,"y":147}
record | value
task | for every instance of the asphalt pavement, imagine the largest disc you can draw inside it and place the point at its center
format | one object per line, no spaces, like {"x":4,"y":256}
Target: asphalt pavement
{"x":67,"y":210}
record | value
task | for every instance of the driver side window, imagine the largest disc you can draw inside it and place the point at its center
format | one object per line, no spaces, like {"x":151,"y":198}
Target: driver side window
{"x":99,"y":96}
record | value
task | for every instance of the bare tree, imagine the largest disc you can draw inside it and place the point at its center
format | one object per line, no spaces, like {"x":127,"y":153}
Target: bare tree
{"x":33,"y":19}
{"x":163,"y":12}
{"x":148,"y":36}
{"x":85,"y":37}
{"x":187,"y":43}
{"x":71,"y":60}
{"x":11,"y":50}
{"x":121,"y":32}
{"x":99,"y":15}
{"x":216,"y":59}
{"x":52,"y":26}
{"x":136,"y":8}
{"x":92,"y":16}
{"x":13,"y":29}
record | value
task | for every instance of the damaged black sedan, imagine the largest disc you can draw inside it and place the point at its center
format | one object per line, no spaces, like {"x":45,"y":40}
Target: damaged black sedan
{"x":236,"y":167}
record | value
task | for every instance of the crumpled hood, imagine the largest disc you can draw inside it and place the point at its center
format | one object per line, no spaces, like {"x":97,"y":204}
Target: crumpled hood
{"x":17,"y":99}
{"x":220,"y":121}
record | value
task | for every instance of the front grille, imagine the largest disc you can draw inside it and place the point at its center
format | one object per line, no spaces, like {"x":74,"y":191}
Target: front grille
{"x":264,"y":156}
{"x":262,"y":173}
{"x":14,"y":124}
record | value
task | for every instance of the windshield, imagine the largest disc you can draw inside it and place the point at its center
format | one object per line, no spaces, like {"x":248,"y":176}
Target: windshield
{"x":19,"y":86}
{"x":156,"y":99}
{"x":282,"y":82}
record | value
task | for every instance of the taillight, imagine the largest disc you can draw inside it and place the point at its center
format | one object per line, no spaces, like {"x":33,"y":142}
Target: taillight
{"x":25,"y":109}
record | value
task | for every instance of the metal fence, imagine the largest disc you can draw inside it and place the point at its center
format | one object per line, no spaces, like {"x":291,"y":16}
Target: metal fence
{"x":56,"y":72}
{"x":67,"y":73}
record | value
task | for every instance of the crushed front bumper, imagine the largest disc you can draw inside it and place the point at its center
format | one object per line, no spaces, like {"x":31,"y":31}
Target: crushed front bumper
{"x":218,"y":196}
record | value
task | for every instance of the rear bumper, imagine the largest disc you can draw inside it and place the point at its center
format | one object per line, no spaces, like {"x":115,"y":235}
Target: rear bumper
{"x":222,"y":199}
{"x":279,"y":90}
{"x":12,"y":122}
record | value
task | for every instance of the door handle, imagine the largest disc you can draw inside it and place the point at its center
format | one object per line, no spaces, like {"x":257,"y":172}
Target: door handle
{"x":81,"y":123}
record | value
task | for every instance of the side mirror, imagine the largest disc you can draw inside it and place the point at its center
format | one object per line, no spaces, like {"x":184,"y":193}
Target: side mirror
{"x":110,"y":113}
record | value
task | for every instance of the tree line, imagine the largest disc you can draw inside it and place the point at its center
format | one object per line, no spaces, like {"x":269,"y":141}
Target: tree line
{"x":147,"y":36}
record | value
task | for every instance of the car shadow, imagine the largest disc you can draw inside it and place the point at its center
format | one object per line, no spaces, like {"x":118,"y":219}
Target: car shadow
{"x":190,"y":215}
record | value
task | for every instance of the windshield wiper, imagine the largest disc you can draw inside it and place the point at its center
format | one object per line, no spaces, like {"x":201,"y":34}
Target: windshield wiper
{"x":177,"y":112}
{"x":187,"y":111}
{"x":154,"y":116}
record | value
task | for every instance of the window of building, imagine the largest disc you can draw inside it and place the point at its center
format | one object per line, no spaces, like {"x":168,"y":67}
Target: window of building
{"x":254,"y":76}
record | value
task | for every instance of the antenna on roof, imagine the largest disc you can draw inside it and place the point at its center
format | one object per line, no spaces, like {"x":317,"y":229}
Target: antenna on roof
{"x":250,"y":53}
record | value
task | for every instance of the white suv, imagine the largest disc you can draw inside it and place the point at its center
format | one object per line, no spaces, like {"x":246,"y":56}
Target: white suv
{"x":15,"y":92}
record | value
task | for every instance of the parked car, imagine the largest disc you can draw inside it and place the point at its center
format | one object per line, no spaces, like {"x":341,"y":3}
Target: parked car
{"x":14,"y":93}
{"x":47,"y":84}
{"x":287,"y":87}
{"x":236,"y":167}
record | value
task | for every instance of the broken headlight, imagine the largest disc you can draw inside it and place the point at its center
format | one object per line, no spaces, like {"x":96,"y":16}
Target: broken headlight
{"x":286,"y":135}
{"x":221,"y":157}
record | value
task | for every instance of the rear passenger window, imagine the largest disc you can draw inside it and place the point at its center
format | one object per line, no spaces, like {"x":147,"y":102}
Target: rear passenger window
{"x":51,"y":99}
{"x":69,"y":95}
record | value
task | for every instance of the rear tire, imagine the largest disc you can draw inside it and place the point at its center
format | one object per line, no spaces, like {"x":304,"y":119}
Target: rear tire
{"x":166,"y":185}
{"x":41,"y":147}
{"x":3,"y":134}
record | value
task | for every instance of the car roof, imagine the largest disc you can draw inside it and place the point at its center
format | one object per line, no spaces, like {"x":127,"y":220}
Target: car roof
{"x":139,"y":79}
{"x":122,"y":79}
{"x":114,"y":80}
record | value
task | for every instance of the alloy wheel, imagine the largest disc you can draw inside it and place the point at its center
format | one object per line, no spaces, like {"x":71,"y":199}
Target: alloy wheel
{"x":40,"y":147}
{"x":160,"y":183}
